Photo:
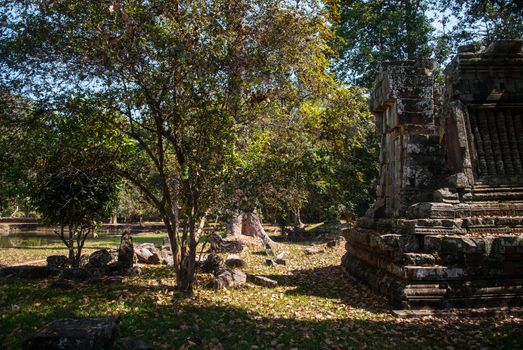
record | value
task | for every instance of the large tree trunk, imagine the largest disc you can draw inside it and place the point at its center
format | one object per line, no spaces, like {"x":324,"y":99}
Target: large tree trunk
{"x":252,"y":226}
{"x":186,"y":268}
{"x":234,"y":224}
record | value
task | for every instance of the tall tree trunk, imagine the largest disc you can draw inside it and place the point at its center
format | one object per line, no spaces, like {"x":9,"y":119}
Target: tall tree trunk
{"x":234,"y":224}
{"x":297,"y":219}
{"x":252,"y":226}
{"x":185,"y":274}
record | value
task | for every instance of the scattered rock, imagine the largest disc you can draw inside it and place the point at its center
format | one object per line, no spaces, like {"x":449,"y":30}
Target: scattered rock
{"x":281,"y":261}
{"x":268,"y":248}
{"x":220,"y":245}
{"x":133,"y":343}
{"x":212,"y":264}
{"x":147,"y":253}
{"x":234,"y":261}
{"x":126,"y":257}
{"x":262,"y":281}
{"x":281,"y":256}
{"x":70,"y":334}
{"x":103,"y":258}
{"x":269,"y":262}
{"x":313,"y":250}
{"x":167,"y":259}
{"x":57,"y":262}
{"x":200,"y":259}
{"x":84,"y":260}
{"x":229,"y":278}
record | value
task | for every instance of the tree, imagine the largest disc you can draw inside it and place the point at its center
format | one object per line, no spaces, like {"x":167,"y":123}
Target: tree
{"x":74,"y":186}
{"x":188,"y":78}
{"x":373,"y":31}
{"x":322,"y":162}
{"x":482,"y":21}
{"x":18,"y":152}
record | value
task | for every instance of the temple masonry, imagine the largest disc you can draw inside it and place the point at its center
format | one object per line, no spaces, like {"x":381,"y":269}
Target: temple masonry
{"x":447,"y":227}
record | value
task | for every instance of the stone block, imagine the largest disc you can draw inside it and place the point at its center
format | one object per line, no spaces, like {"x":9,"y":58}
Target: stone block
{"x":74,"y":334}
{"x":418,"y":259}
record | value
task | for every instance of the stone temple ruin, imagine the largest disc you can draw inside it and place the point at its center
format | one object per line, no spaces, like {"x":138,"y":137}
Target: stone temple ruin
{"x":447,"y":227}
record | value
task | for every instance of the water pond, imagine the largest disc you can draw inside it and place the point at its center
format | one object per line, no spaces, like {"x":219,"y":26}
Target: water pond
{"x":29,"y":239}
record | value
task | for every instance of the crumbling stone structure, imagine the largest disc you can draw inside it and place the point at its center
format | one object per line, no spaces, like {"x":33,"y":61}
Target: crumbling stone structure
{"x":447,"y":227}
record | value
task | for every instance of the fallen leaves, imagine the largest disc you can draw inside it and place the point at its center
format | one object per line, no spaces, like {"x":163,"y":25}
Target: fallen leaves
{"x":313,"y":306}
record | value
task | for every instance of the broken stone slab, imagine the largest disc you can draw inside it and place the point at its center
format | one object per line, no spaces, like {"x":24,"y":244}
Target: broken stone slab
{"x":103,"y":258}
{"x":126,"y":257}
{"x":262,"y":281}
{"x":220,"y":245}
{"x":229,"y":278}
{"x":418,"y":259}
{"x":268,"y":249}
{"x":212,"y":264}
{"x":166,"y":257}
{"x":282,"y":255}
{"x":147,"y":253}
{"x":281,"y":261}
{"x":445,"y":195}
{"x":234,"y":261}
{"x":74,"y":334}
{"x":25,"y":271}
{"x":57,"y":262}
{"x":431,"y":210}
{"x":270,"y":262}
{"x":313,"y":250}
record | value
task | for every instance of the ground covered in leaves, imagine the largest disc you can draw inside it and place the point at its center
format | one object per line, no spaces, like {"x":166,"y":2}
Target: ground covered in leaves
{"x":314,"y":307}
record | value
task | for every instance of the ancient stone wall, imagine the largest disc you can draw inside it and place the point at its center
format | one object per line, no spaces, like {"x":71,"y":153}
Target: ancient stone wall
{"x":447,"y":227}
{"x":411,"y":159}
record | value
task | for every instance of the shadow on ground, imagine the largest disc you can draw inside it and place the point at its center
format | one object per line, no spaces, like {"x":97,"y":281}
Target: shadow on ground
{"x":172,"y":321}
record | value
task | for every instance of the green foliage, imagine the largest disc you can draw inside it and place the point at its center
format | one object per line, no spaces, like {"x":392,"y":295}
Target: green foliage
{"x":483,"y":21}
{"x":75,"y":197}
{"x":74,"y":186}
{"x":18,"y":153}
{"x":321,"y":160}
{"x":373,"y":31}
{"x":184,"y":80}
{"x":132,"y":206}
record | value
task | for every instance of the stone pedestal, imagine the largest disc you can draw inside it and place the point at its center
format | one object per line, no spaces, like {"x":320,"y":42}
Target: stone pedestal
{"x":447,"y":227}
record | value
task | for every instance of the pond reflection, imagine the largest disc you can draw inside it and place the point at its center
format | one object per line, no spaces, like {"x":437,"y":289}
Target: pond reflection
{"x":28,"y":239}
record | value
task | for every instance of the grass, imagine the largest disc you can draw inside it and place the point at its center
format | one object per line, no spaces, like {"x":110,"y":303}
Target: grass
{"x":314,"y":307}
